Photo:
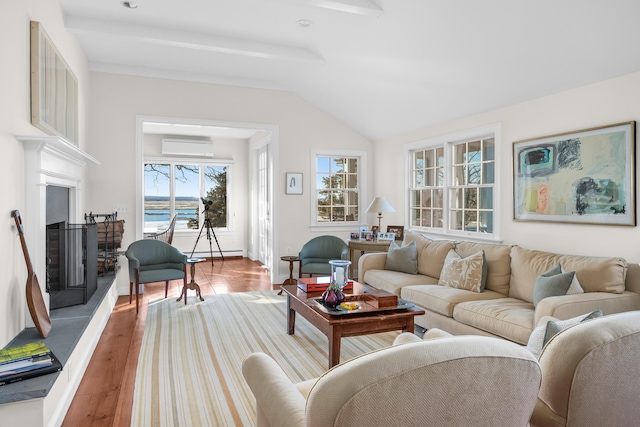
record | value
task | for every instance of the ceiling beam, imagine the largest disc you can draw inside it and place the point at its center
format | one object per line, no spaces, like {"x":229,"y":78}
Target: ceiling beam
{"x":189,"y":40}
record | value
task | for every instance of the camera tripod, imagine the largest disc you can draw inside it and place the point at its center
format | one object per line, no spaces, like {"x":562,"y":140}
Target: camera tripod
{"x":207,"y":224}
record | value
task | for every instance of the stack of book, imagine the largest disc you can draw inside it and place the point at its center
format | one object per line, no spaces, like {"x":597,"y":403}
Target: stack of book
{"x":26,"y":361}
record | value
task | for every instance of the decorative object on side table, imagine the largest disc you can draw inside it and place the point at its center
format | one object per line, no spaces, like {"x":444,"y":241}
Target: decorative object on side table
{"x":334,"y":294}
{"x":380,"y":205}
{"x":386,"y":236}
{"x":398,"y":230}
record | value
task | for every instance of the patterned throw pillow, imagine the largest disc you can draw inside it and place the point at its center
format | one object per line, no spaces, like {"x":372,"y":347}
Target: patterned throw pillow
{"x":468,"y":273}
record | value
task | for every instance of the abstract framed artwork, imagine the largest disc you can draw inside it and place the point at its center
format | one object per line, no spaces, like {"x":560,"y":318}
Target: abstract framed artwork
{"x":54,"y":88}
{"x":294,"y":183}
{"x":585,"y":177}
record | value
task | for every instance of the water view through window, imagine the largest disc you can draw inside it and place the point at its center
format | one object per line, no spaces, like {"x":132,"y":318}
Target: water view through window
{"x":177,"y":189}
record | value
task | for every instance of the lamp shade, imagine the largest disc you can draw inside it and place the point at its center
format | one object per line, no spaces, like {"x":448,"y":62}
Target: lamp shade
{"x":380,"y":205}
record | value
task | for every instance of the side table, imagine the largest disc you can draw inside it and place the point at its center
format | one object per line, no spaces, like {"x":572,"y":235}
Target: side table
{"x":192,"y":284}
{"x":365,"y":246}
{"x":290,"y":281}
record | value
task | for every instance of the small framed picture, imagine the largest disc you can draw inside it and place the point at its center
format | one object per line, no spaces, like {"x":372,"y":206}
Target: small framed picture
{"x":355,"y":236}
{"x":294,"y":183}
{"x":363,"y":228}
{"x":398,"y":230}
{"x":386,"y":236}
{"x":366,"y":235}
{"x":374,"y":229}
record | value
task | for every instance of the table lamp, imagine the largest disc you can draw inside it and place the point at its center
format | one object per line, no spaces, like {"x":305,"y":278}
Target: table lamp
{"x":380,"y":205}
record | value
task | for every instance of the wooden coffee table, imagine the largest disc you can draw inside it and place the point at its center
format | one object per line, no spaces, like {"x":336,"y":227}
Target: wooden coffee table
{"x":367,"y":320}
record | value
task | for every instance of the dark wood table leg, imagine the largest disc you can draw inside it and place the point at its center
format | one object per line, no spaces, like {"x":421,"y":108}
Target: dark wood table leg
{"x":290,"y":280}
{"x":335,"y":337}
{"x":410,"y":325}
{"x":291,"y":318}
{"x":191,"y":285}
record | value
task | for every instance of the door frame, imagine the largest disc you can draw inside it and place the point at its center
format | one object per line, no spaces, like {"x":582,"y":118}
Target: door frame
{"x":272,"y":138}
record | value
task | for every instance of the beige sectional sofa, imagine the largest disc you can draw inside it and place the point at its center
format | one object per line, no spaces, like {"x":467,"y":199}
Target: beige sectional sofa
{"x":505,"y":307}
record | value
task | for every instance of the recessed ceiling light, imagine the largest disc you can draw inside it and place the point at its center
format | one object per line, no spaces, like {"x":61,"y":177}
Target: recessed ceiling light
{"x":129,"y":4}
{"x":304,"y":23}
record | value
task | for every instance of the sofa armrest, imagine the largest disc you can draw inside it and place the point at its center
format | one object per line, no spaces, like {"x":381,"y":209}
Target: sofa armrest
{"x":567,"y":306}
{"x":371,"y":261}
{"x":278,"y":401}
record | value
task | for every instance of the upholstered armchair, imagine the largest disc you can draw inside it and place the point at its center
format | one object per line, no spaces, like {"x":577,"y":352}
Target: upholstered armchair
{"x":590,"y":374}
{"x":453,"y":381}
{"x":154,"y":261}
{"x":317,"y":252}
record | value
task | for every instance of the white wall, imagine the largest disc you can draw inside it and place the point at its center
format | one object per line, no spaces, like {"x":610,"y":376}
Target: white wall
{"x":116,"y":100}
{"x":608,"y":102}
{"x":15,"y":114}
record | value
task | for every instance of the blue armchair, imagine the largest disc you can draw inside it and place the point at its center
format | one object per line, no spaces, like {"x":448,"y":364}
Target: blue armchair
{"x":317,"y":252}
{"x":154,"y":261}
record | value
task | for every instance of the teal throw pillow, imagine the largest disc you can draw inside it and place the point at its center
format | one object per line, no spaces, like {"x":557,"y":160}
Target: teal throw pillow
{"x":552,"y":283}
{"x":555,"y":326}
{"x":544,"y":332}
{"x":403,"y":259}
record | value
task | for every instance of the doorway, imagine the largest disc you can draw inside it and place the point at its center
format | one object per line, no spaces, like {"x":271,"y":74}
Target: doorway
{"x":254,"y":230}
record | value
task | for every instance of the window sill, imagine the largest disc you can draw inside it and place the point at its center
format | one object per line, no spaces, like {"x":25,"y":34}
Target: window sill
{"x":472,"y":237}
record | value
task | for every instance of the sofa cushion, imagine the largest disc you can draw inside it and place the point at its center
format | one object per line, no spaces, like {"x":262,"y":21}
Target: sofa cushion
{"x":468,"y":273}
{"x":443,"y":299}
{"x":393,"y":281}
{"x":403,"y":259}
{"x":497,"y":259}
{"x":552,"y":283}
{"x":509,"y":318}
{"x":431,"y":253}
{"x":596,"y":274}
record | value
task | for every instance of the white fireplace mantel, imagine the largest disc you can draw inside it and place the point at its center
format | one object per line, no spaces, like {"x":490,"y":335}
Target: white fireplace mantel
{"x":49,"y":160}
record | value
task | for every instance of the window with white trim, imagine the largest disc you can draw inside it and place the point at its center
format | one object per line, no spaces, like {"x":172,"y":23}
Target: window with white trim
{"x":189,"y":190}
{"x":337,"y":188}
{"x":452,"y":185}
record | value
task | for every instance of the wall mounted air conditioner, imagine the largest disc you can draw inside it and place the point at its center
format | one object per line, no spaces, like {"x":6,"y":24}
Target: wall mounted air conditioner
{"x":187,"y":147}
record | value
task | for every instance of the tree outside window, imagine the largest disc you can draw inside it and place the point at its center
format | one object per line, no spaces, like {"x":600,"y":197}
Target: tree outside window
{"x":452,"y":186}
{"x":178,"y":189}
{"x":337,"y":189}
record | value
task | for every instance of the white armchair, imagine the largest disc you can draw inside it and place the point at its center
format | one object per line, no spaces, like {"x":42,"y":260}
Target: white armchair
{"x":462,"y":380}
{"x":590,"y":374}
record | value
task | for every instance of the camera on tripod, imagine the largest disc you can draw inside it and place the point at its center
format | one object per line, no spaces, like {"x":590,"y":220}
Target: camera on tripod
{"x":207,"y":224}
{"x":206,"y":202}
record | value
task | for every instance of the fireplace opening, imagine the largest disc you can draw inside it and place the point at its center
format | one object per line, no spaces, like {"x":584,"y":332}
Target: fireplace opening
{"x":71,"y":254}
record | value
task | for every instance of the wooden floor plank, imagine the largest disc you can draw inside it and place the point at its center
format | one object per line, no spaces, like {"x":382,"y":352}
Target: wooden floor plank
{"x":105,"y":395}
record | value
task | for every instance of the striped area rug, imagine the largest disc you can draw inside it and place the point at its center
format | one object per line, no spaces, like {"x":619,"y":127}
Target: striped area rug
{"x":189,"y":368}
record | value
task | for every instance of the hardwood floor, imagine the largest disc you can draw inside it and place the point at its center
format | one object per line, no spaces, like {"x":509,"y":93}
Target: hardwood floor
{"x":105,"y":395}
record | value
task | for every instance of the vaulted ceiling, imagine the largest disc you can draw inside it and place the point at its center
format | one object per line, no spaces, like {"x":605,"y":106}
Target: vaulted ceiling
{"x":382,"y":67}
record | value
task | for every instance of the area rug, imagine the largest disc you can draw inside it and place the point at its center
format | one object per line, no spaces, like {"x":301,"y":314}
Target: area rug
{"x":190,"y":365}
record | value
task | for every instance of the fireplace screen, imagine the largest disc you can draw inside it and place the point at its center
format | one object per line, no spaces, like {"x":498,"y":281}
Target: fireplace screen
{"x":72,"y":263}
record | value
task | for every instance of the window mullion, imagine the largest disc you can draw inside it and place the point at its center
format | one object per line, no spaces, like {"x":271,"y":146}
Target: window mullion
{"x":172,"y":189}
